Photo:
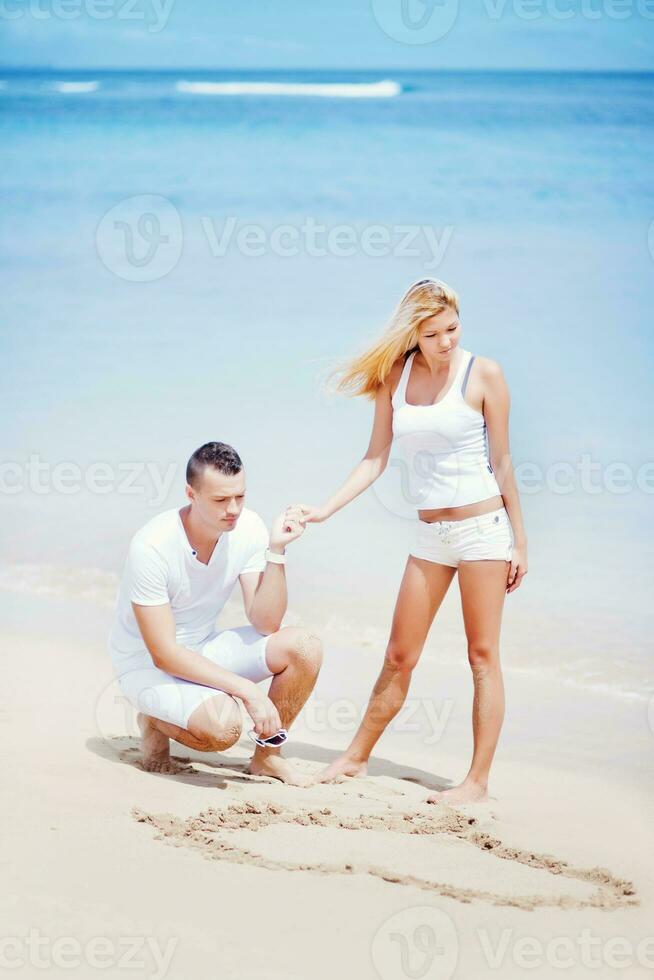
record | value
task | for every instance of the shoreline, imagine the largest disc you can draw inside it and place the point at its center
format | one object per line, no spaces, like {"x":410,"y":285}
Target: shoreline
{"x":94,"y":592}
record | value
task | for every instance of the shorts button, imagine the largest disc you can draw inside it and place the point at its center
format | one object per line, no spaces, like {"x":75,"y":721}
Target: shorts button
{"x":496,"y":519}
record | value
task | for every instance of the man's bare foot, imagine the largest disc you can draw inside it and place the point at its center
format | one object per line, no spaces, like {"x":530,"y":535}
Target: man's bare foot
{"x":343,"y":766}
{"x":467,"y":792}
{"x":274,"y":766}
{"x":155,"y":749}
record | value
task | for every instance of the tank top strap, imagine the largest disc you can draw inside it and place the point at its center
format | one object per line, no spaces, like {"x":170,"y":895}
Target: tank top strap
{"x":464,"y":372}
{"x":399,"y":397}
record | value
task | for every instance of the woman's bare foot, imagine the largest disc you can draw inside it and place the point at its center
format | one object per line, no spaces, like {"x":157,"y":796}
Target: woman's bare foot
{"x":155,"y":749}
{"x":343,"y":766}
{"x":467,"y":792}
{"x":274,"y":766}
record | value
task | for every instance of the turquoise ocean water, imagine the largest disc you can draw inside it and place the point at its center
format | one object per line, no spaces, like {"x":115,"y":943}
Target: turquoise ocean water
{"x":184,"y":256}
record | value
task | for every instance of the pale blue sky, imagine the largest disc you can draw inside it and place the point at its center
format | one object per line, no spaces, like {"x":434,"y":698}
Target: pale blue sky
{"x":551,"y":34}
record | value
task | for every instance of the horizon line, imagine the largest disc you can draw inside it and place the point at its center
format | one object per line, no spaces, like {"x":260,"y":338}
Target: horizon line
{"x":248,"y":68}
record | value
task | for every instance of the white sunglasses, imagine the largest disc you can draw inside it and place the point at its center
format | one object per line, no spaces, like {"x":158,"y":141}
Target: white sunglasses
{"x":272,"y":741}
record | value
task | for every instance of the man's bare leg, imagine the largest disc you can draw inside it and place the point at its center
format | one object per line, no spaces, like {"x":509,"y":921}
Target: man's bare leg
{"x":213,"y":727}
{"x":294,"y":655}
{"x":423,"y":588}
{"x":483,"y":590}
{"x":155,"y":745}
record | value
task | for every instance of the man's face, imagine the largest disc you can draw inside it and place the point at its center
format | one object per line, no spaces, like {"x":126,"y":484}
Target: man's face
{"x":218,"y":499}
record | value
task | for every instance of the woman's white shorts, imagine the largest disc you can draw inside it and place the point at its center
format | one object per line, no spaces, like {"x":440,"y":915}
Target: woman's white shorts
{"x":160,"y":695}
{"x":488,"y":536}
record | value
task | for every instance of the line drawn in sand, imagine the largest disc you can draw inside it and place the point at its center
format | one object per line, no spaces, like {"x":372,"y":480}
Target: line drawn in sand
{"x":209,"y":833}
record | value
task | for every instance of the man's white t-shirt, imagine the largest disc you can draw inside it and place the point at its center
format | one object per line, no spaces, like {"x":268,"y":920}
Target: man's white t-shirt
{"x":161,"y":567}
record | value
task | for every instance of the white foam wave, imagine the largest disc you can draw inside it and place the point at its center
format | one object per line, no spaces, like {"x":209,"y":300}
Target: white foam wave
{"x":611,"y":688}
{"x":100,"y":586}
{"x":74,"y":88}
{"x":333,"y":90}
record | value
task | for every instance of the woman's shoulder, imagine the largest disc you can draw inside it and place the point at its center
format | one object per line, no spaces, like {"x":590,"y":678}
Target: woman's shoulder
{"x":489,"y":378}
{"x":487,"y":367}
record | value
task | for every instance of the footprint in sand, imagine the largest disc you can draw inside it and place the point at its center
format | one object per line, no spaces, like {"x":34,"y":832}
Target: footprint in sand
{"x":177,"y":764}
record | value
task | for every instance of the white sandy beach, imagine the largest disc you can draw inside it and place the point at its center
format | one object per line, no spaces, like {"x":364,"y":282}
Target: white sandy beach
{"x":213,"y":873}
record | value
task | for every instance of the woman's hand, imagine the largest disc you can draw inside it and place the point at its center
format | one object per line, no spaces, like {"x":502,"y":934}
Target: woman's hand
{"x":309,"y":514}
{"x":518,"y":567}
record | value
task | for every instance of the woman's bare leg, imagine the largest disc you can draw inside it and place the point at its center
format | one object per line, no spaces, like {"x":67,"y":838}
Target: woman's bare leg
{"x":423,"y":588}
{"x":483,"y":588}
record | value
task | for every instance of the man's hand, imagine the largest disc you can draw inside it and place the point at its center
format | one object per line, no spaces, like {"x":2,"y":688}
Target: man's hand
{"x":286,"y":528}
{"x":262,"y":712}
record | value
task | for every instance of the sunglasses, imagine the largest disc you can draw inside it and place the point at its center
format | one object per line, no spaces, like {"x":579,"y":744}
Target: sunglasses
{"x":272,"y":741}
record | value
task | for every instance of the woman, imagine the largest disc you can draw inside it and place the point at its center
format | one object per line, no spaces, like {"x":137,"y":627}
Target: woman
{"x":440,"y":406}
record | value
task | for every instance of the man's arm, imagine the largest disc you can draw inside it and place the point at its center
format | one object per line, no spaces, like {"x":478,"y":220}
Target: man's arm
{"x":157,"y":626}
{"x":265,"y":596}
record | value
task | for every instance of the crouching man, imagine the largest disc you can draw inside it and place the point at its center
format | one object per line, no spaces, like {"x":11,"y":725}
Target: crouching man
{"x":184,"y":678}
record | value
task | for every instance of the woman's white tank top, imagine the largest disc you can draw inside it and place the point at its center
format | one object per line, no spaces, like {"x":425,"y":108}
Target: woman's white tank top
{"x":442,"y":448}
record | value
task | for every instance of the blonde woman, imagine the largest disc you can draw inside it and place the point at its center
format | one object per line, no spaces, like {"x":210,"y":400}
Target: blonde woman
{"x":446,"y":413}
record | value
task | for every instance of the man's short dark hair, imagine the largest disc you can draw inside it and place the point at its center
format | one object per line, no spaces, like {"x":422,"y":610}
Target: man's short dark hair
{"x":217,"y":454}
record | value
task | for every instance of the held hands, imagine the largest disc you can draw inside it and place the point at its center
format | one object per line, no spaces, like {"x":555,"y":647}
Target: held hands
{"x":286,"y":528}
{"x":311,"y":515}
{"x":292,"y":524}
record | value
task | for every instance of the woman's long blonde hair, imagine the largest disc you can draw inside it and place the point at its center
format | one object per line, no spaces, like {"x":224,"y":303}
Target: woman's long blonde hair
{"x":366,"y":373}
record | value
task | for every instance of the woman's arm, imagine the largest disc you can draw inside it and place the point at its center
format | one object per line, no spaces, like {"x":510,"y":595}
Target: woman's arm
{"x":496,"y":407}
{"x":373,"y":463}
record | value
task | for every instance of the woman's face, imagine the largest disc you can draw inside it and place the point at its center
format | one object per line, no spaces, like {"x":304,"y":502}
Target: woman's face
{"x":439,"y":334}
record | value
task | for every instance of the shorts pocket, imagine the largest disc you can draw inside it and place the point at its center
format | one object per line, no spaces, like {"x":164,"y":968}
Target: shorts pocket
{"x":490,"y":540}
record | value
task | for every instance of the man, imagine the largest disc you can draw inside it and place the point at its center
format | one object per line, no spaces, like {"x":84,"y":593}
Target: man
{"x":185,"y":678}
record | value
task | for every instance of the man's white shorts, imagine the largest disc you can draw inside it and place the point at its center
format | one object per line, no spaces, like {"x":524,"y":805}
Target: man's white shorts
{"x":160,"y":695}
